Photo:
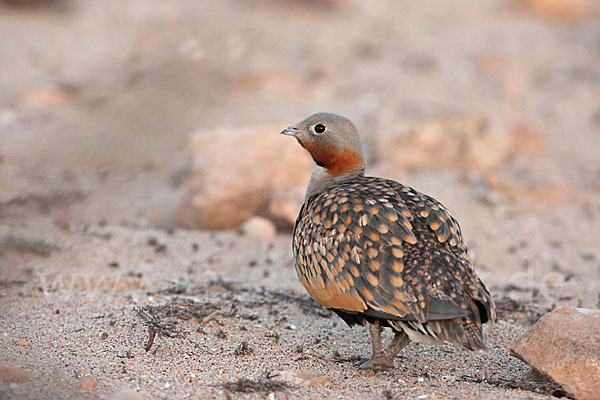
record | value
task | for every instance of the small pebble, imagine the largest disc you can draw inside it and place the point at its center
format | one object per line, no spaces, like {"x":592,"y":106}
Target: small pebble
{"x":258,"y":226}
{"x":89,"y":384}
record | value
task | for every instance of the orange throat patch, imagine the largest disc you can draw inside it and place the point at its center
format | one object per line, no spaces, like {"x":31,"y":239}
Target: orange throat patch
{"x":336,"y":161}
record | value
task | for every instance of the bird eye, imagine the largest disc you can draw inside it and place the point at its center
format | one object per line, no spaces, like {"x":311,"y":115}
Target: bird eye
{"x":319,"y":128}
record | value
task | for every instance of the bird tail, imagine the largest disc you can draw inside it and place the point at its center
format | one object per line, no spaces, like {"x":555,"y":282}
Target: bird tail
{"x":461,"y":331}
{"x":464,"y":332}
{"x":472,"y":336}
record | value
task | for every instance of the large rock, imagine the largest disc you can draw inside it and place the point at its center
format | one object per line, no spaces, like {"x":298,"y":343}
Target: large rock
{"x":450,"y":142}
{"x":235,"y":170}
{"x":284,"y":205}
{"x":565,"y":346}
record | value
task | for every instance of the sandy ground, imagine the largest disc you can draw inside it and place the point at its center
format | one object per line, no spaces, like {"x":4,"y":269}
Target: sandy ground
{"x":97,"y":101}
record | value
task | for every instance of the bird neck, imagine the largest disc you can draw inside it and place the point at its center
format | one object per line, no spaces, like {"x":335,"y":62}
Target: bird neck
{"x":335,"y":159}
{"x":335,"y":164}
{"x":321,"y":179}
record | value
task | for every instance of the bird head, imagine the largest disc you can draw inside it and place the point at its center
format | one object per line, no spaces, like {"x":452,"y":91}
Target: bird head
{"x":332,"y":140}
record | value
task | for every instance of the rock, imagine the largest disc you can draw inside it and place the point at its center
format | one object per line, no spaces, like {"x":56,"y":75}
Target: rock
{"x":89,"y":384}
{"x":301,"y":377}
{"x":258,"y":226}
{"x":561,"y":10}
{"x":564,"y":345}
{"x":21,"y":343}
{"x":126,"y":394}
{"x":450,"y":142}
{"x":234,"y":171}
{"x":42,"y":98}
{"x":284,"y":205}
{"x":10,"y":374}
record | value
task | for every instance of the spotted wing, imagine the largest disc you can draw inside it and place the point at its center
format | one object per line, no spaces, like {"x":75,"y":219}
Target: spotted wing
{"x":376,"y":247}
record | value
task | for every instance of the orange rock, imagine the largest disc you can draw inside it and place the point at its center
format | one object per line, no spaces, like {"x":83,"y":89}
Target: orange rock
{"x":563,"y":10}
{"x":233,"y":173}
{"x":563,"y":345}
{"x":89,"y":384}
{"x":21,"y":343}
{"x":41,"y":98}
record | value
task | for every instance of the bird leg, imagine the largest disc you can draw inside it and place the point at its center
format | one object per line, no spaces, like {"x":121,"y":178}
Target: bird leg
{"x":379,"y":360}
{"x":398,"y":342}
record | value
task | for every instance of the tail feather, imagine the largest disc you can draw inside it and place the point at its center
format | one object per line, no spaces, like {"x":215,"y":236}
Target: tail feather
{"x":461,"y":331}
{"x":472,"y":336}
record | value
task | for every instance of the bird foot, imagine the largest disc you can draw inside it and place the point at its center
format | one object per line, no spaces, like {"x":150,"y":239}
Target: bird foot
{"x":379,"y":363}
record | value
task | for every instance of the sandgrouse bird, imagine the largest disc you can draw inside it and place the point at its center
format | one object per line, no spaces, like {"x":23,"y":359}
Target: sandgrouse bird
{"x":381,"y":254}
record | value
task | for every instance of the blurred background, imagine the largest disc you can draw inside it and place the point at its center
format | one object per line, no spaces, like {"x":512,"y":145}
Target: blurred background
{"x":167,"y":114}
{"x":141,"y":161}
